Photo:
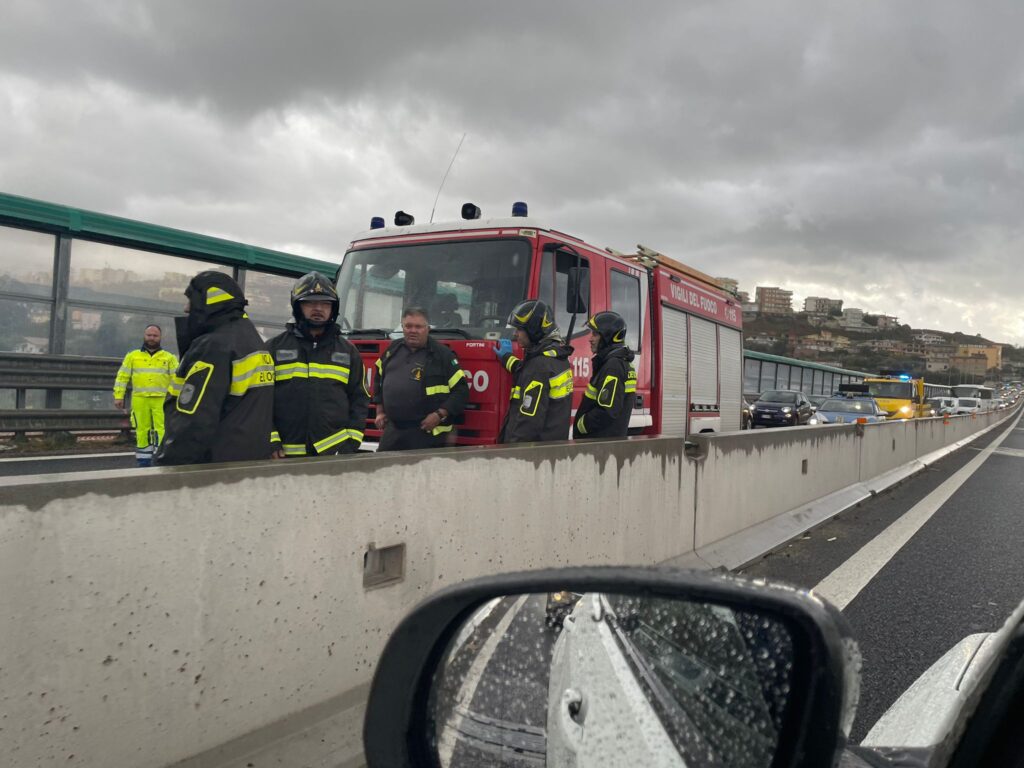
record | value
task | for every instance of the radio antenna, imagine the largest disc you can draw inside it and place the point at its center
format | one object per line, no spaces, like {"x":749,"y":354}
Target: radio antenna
{"x":445,"y":177}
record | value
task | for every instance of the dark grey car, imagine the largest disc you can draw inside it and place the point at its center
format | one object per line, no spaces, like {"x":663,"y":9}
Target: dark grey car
{"x":781,"y":408}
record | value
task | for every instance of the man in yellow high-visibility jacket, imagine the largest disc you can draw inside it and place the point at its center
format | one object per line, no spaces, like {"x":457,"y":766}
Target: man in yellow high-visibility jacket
{"x":148,"y":370}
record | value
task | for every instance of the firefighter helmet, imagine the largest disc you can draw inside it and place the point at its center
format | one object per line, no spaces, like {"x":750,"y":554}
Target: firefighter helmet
{"x":610,"y":327}
{"x":535,"y":318}
{"x":314,"y":286}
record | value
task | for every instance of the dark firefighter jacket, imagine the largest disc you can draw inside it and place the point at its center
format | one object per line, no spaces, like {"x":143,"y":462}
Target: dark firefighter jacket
{"x":220,"y":403}
{"x":444,"y":382}
{"x":608,"y":401}
{"x":320,"y":398}
{"x":541,"y":403}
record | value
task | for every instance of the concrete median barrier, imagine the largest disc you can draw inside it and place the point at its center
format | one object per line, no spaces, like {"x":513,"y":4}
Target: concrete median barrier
{"x":193,"y":616}
{"x":198,"y":616}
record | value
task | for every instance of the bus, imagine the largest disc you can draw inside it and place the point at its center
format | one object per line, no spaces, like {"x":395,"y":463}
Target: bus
{"x":985,"y":394}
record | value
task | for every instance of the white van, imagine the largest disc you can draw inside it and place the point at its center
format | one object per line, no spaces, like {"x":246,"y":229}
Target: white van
{"x":967,"y":405}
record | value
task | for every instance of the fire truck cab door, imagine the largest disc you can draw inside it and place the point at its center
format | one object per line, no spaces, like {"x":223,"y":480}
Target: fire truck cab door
{"x":628,"y":295}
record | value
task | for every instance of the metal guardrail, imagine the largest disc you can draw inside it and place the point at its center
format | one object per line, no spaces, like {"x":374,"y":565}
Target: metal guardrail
{"x":50,"y":420}
{"x":23,"y":371}
{"x":54,"y":374}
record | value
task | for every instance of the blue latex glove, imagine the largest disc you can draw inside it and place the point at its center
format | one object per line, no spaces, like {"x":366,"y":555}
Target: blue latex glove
{"x":504,"y":348}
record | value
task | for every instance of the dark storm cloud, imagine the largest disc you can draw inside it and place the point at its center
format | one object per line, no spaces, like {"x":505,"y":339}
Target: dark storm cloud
{"x":800,"y":143}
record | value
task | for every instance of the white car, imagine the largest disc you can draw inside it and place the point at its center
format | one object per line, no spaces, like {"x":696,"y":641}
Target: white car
{"x":657,"y":664}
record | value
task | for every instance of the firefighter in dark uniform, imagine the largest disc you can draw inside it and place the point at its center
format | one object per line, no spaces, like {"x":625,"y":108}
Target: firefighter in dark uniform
{"x":541,"y":401}
{"x":220,"y":404}
{"x":421,"y":389}
{"x":608,"y":401}
{"x":320,"y":398}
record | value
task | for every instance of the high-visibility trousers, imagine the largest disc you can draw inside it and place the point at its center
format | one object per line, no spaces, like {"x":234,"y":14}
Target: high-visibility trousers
{"x":148,"y":422}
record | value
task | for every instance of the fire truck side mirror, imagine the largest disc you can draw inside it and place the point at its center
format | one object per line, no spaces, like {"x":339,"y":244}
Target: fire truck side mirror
{"x":577,"y":291}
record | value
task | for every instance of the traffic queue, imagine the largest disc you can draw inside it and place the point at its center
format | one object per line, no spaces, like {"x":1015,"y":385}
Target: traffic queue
{"x":234,"y":397}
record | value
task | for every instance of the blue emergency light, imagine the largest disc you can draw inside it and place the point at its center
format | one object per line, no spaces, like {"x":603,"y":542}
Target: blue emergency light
{"x":904,"y":377}
{"x":377,"y":222}
{"x":519,"y":209}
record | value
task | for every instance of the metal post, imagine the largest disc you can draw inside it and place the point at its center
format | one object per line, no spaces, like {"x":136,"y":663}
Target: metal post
{"x":59,"y":313}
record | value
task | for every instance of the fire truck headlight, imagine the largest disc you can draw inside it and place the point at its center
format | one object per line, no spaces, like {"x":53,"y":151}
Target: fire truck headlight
{"x":906,"y":409}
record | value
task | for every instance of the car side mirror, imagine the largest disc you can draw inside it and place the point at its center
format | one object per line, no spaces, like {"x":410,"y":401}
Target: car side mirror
{"x":600,"y":666}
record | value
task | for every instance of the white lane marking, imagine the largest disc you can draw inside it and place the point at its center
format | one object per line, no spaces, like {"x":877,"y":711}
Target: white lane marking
{"x":846,"y":581}
{"x":475,"y":673}
{"x":66,"y":456}
{"x":1016,"y":452}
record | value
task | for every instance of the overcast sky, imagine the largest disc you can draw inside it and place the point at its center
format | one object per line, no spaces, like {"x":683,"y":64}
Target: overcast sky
{"x":869,"y":151}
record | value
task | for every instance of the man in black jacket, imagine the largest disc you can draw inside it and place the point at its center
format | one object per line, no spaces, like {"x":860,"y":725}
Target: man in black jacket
{"x":320,"y":398}
{"x":220,"y":402}
{"x":421,"y":388}
{"x":608,"y":401}
{"x":541,"y":401}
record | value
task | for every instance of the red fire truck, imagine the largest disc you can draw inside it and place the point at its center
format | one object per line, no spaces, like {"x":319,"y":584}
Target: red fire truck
{"x":469,"y":274}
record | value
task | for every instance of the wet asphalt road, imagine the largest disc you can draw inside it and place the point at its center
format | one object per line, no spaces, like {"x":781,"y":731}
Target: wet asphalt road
{"x":961,"y":573}
{"x":494,"y":709}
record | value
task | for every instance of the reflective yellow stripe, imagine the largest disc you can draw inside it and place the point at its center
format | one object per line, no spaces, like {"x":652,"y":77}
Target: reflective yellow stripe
{"x":275,"y":437}
{"x":459,"y":374}
{"x":590,"y":392}
{"x":216,"y":295}
{"x":255,"y":370}
{"x":561,"y":385}
{"x":290,"y":371}
{"x":550,"y":353}
{"x":440,"y":389}
{"x":174,"y":388}
{"x":293,"y":449}
{"x":517,"y":392}
{"x":630,"y":382}
{"x":606,"y":398}
{"x":327,"y":371}
{"x":441,"y":429}
{"x":149,"y":391}
{"x":580,"y":425}
{"x":380,"y":368}
{"x":337,"y":438}
{"x":509,"y":362}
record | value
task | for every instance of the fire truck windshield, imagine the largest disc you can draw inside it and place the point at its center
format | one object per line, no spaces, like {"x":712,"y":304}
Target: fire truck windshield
{"x":467,"y":287}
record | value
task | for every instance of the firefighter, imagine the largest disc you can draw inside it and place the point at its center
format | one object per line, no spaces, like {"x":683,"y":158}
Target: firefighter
{"x":608,"y":400}
{"x":220,"y":406}
{"x":320,"y":398}
{"x":541,"y":402}
{"x":421,"y":389}
{"x":149,"y":370}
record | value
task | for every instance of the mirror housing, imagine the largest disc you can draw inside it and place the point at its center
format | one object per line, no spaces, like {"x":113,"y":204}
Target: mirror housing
{"x":398,"y":730}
